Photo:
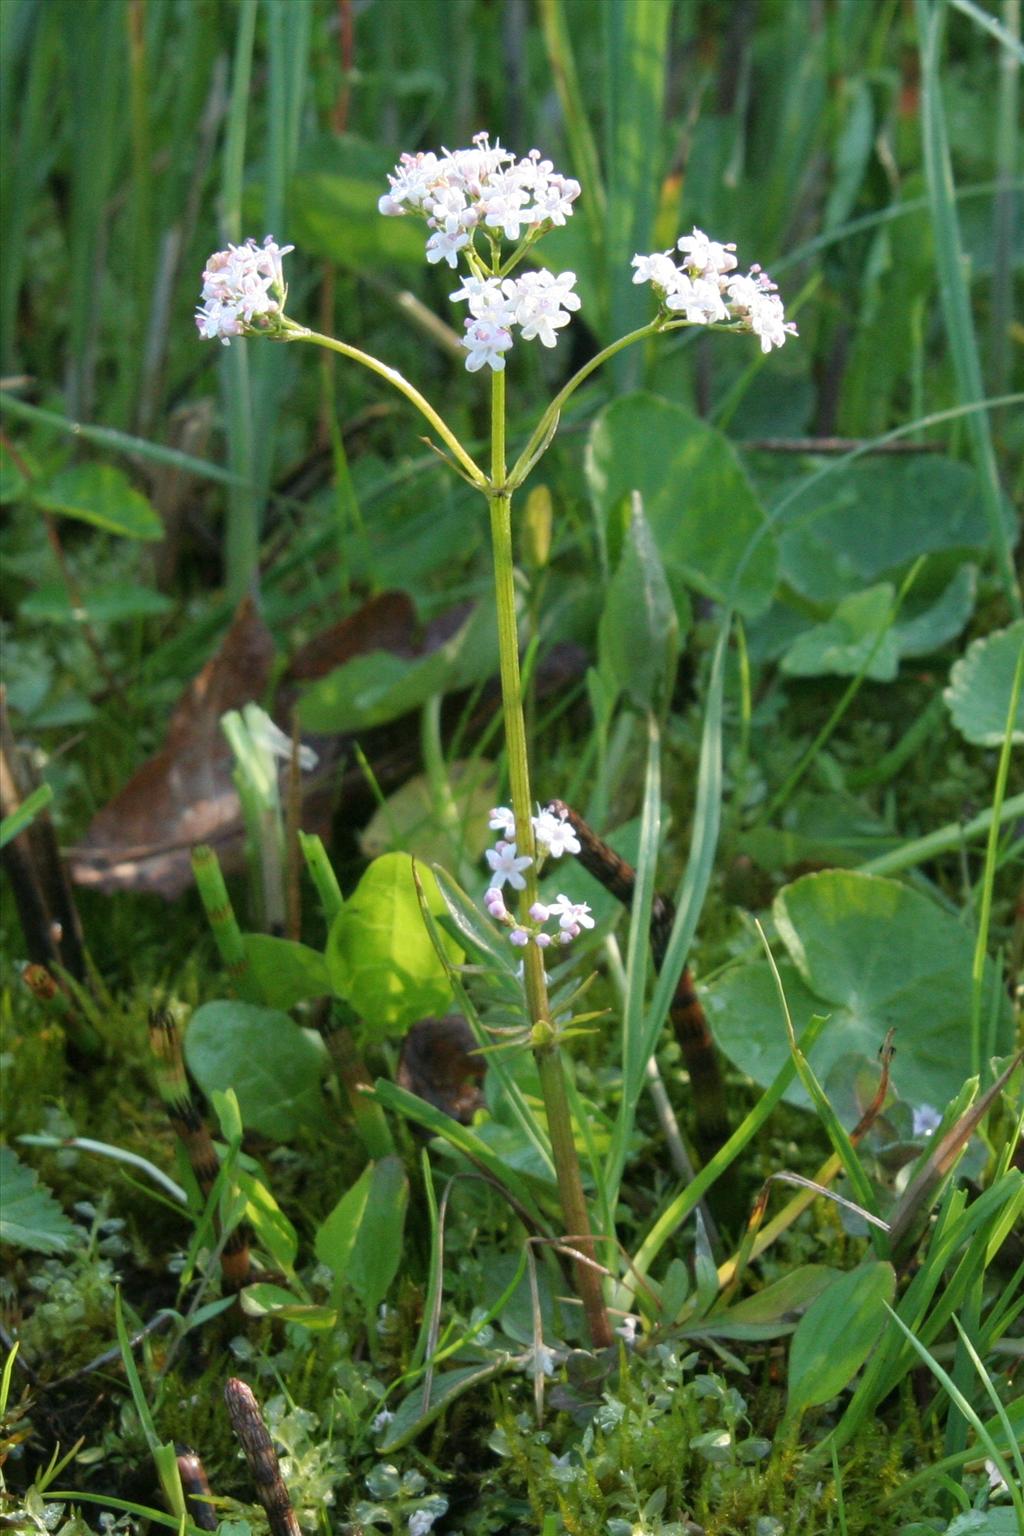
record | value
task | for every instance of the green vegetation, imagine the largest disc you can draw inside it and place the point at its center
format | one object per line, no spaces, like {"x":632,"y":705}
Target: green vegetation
{"x":707,"y":1222}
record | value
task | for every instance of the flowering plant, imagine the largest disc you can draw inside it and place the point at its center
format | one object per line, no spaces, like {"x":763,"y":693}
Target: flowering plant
{"x":485,"y":211}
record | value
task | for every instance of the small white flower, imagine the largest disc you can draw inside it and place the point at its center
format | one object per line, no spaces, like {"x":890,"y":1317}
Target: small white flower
{"x":485,"y":342}
{"x":926,"y":1120}
{"x":572,"y":916}
{"x":543,"y":303}
{"x":445,"y":245}
{"x":627,"y":1328}
{"x":706,"y":257}
{"x":505,"y":199}
{"x":503,"y":820}
{"x":420,"y":1522}
{"x":553,"y":200}
{"x":506,"y":865}
{"x":218,"y":322}
{"x":699,"y":299}
{"x":658,"y":269}
{"x":382,"y":1420}
{"x":410,"y":185}
{"x":487,"y":301}
{"x":555,"y":834}
{"x":754,"y":301}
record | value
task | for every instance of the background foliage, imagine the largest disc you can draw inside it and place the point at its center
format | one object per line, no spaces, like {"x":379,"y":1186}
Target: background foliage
{"x":865,"y":153}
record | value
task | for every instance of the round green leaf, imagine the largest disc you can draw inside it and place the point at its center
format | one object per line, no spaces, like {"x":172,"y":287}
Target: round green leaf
{"x":872,"y":955}
{"x":859,"y":629}
{"x":380,"y":956}
{"x":703,"y":513}
{"x":273,"y":1066}
{"x":101,"y":495}
{"x":878,"y":516}
{"x":285,"y":971}
{"x":980,"y":686}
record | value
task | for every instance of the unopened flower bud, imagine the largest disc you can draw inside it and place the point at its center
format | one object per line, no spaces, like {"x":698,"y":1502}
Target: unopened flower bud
{"x":537,"y":521}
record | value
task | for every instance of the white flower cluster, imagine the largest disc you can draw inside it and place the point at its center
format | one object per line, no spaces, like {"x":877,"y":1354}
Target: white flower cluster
{"x":485,"y":188}
{"x":243,"y":290}
{"x":538,"y":302}
{"x":554,"y":837}
{"x":461,"y":189}
{"x":705,"y":289}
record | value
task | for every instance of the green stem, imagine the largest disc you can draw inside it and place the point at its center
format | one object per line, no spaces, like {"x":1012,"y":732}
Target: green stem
{"x":472,"y":470}
{"x":988,"y":880}
{"x":547,"y":1053}
{"x":659,"y":326}
{"x":522,"y":466}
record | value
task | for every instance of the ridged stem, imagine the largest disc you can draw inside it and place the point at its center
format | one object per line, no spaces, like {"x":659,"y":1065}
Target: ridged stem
{"x":546,"y":1050}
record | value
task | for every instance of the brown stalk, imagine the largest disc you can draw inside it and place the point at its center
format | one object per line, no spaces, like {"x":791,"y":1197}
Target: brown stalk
{"x":264,"y":1467}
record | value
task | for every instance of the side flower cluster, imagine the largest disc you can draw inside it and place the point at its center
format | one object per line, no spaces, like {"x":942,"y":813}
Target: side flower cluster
{"x":243,"y":290}
{"x":485,"y":189}
{"x":554,"y":837}
{"x":705,"y":289}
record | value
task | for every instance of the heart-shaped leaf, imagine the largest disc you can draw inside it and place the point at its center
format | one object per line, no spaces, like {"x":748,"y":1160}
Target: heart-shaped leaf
{"x":708,"y":525}
{"x":872,"y":955}
{"x":379,"y":954}
{"x":859,"y":634}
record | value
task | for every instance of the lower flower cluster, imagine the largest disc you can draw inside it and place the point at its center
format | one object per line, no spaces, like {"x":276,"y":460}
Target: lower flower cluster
{"x":553,"y":836}
{"x":539,"y":303}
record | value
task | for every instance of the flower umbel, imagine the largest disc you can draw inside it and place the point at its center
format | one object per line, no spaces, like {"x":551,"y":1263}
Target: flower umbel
{"x":472,"y":200}
{"x":243,"y":290}
{"x":706,"y":291}
{"x":553,"y":836}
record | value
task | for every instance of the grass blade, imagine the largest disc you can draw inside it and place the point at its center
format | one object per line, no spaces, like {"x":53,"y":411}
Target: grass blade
{"x":953,"y":287}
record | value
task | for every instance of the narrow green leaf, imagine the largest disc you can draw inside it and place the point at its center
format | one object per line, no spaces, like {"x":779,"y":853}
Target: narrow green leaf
{"x":377,"y":1251}
{"x":26,"y":813}
{"x":638,"y":633}
{"x":336,"y":1236}
{"x":836,"y":1334}
{"x":412,"y":1417}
